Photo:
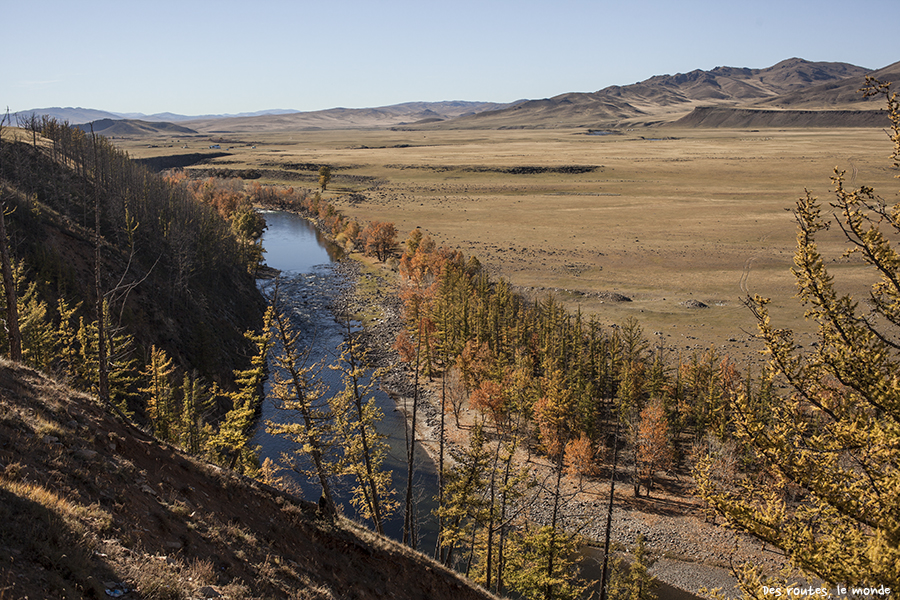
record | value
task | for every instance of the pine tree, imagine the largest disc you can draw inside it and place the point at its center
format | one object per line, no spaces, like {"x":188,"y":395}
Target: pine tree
{"x":633,"y":581}
{"x":295,"y":389}
{"x":507,"y":485}
{"x":465,"y":486}
{"x":541,"y":564}
{"x":580,"y":457}
{"x":356,"y":417}
{"x":197,"y":401}
{"x":31,"y":339}
{"x":379,"y":239}
{"x":35,"y":328}
{"x":160,"y":397}
{"x":230,"y":444}
{"x":553,"y":412}
{"x":65,"y":341}
{"x":122,"y":370}
{"x":324,"y":176}
{"x":652,"y":442}
{"x":833,"y":438}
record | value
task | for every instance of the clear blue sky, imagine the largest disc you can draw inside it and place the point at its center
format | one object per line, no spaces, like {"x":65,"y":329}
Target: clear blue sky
{"x":192,"y":57}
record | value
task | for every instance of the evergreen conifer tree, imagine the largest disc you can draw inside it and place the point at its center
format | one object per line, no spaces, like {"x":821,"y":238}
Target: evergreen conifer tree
{"x":295,"y":389}
{"x":197,"y":401}
{"x":834,"y":438}
{"x":356,"y":417}
{"x":531,"y":551}
{"x":230,"y":445}
{"x":160,"y":400}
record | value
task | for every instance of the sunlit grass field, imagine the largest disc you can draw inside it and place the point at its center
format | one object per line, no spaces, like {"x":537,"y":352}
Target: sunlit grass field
{"x":684,"y":223}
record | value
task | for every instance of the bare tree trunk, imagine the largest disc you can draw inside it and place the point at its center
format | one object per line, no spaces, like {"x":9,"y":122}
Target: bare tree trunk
{"x":503,"y":500}
{"x":548,"y":590}
{"x":408,"y":533}
{"x":9,"y":285}
{"x":439,"y":549}
{"x":102,"y":367}
{"x":490,"y":526}
{"x":374,"y":502}
{"x":604,"y":577}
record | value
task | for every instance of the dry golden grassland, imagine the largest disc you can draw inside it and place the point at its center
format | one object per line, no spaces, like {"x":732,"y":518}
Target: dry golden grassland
{"x":667,"y":217}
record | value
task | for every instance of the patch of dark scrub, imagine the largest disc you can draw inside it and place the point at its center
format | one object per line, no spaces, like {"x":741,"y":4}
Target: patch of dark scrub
{"x":354,"y":199}
{"x":295,"y":166}
{"x":249,"y":174}
{"x":694,"y":304}
{"x":603,"y":296}
{"x":279,"y":175}
{"x":534,"y":170}
{"x":517,"y":170}
{"x":228,"y":173}
{"x":179,"y":161}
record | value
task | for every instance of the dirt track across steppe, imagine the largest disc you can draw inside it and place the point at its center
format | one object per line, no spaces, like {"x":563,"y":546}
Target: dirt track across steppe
{"x":673,"y":227}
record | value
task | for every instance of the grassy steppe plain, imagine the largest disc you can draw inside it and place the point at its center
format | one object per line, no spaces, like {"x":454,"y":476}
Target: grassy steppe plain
{"x":668,"y":218}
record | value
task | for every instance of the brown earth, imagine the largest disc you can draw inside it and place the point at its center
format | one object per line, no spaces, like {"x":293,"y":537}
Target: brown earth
{"x":90,"y":506}
{"x":720,"y":116}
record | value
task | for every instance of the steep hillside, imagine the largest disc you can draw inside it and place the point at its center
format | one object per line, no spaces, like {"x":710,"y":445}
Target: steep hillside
{"x":794,"y":83}
{"x":173,"y":273}
{"x":723,"y":116}
{"x":836,"y":103}
{"x":93,"y":508}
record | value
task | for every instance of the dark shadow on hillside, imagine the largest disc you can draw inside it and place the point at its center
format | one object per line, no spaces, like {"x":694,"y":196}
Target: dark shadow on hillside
{"x":178,"y":161}
{"x":43,"y":549}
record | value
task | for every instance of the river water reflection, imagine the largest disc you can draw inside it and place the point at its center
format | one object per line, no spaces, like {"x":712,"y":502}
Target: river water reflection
{"x":307,"y":285}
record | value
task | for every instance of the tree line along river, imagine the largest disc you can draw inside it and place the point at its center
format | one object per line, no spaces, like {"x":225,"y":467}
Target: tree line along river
{"x":307,"y":285}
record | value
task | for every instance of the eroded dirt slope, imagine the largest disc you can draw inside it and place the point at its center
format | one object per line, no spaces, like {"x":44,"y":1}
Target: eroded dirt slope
{"x":91,"y":507}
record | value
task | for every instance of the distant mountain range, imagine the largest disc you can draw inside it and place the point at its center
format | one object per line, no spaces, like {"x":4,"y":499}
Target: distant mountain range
{"x":791,"y":84}
{"x":792,"y":93}
{"x":398,"y":115}
{"x":130,"y":127}
{"x":81,"y":116}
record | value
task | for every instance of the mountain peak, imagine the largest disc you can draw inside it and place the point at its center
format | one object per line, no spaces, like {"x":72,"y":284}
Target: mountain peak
{"x":665,"y":98}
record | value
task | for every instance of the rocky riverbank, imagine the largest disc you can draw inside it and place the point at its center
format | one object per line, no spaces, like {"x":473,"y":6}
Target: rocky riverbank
{"x":691,"y":553}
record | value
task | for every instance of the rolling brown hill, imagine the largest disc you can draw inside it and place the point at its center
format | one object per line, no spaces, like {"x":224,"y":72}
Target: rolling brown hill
{"x":130,"y":127}
{"x":91,"y":507}
{"x":347,"y":118}
{"x":665,"y":98}
{"x":835,"y":94}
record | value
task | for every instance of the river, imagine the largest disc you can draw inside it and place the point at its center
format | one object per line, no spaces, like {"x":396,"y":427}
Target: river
{"x":307,"y":285}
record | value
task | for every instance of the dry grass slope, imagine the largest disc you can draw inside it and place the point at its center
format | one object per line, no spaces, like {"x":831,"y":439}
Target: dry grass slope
{"x":88,"y":504}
